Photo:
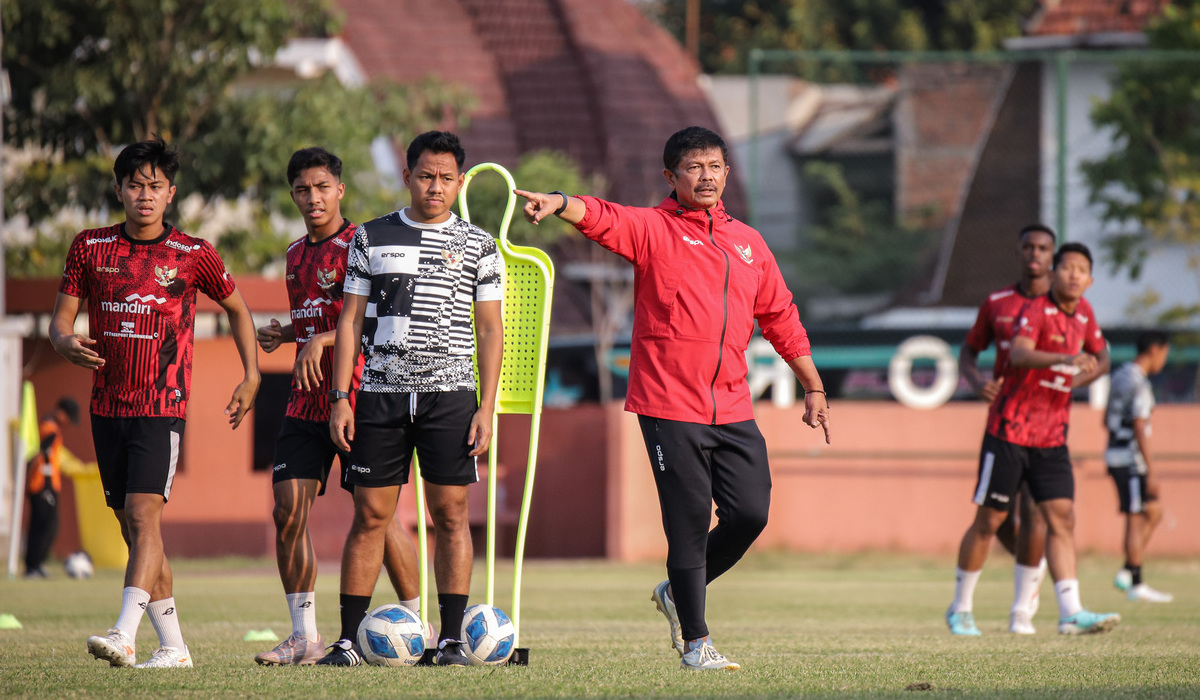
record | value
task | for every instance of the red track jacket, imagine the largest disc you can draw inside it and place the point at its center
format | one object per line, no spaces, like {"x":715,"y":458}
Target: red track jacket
{"x":701,"y":280}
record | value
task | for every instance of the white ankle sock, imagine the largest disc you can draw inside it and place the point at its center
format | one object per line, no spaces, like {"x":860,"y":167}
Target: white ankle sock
{"x":133,"y":604}
{"x":964,"y":590}
{"x":1026,"y":580}
{"x":1067,"y":591}
{"x":303,"y":609}
{"x":165,"y":619}
{"x":413,"y":605}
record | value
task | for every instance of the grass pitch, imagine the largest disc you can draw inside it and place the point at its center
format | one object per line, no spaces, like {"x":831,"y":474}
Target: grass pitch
{"x":867,"y":625}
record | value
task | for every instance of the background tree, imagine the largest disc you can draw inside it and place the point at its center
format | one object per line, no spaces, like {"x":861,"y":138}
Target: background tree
{"x":1148,"y":186}
{"x":89,"y":76}
{"x":730,"y":28}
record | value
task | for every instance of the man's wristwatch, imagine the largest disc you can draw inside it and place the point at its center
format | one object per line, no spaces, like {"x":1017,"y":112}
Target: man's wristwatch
{"x":337,"y":394}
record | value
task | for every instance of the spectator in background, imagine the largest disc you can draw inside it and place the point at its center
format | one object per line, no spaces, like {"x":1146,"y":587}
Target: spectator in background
{"x":44,"y":484}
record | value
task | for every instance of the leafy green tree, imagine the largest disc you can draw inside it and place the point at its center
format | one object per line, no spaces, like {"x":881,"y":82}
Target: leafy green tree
{"x":872,"y":252}
{"x":730,"y":28}
{"x":89,"y":76}
{"x":1149,"y":184}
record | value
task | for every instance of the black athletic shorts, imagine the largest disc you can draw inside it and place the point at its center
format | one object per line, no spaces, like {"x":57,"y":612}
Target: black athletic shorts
{"x":1131,"y":489}
{"x":304,"y":449}
{"x":136,"y":455}
{"x":1003,"y":466}
{"x":388,"y":427}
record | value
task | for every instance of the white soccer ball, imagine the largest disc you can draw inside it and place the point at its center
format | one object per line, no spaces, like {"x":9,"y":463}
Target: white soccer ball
{"x":488,"y":635}
{"x":391,"y":635}
{"x":79,"y":565}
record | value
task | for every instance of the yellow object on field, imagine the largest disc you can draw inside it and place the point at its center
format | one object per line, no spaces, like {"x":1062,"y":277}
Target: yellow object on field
{"x":29,"y":422}
{"x":99,"y":531}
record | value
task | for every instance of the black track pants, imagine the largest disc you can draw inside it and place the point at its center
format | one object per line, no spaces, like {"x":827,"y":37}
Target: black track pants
{"x":696,"y":465}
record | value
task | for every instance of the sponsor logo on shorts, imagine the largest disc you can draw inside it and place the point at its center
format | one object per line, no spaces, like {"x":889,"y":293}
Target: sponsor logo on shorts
{"x":360,"y":469}
{"x":280,"y":467}
{"x":662,"y":467}
{"x":999,"y":497}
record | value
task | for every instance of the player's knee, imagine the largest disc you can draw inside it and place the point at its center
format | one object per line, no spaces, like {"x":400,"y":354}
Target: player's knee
{"x":288,"y":518}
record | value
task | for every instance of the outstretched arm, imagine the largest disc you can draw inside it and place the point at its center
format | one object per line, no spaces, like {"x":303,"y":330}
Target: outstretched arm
{"x":539,"y":205}
{"x":241,"y":326}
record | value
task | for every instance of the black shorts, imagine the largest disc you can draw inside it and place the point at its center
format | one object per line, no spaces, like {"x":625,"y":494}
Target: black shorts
{"x":1003,"y":467}
{"x":305,"y":450}
{"x":388,"y":427}
{"x":136,"y":455}
{"x":1131,"y":489}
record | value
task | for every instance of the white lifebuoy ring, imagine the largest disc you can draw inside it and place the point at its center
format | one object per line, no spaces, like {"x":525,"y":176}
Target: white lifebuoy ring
{"x":900,"y":372}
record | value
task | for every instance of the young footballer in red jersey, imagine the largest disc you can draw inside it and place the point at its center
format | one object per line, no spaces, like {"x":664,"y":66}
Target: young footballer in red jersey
{"x":996,"y":323}
{"x":140,"y":280}
{"x":304,"y":450}
{"x":1057,"y":346}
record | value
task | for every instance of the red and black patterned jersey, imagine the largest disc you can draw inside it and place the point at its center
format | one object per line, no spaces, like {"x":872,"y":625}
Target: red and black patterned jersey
{"x":315,"y":273}
{"x":141,"y":303}
{"x":995,"y":323}
{"x":1034,"y":405}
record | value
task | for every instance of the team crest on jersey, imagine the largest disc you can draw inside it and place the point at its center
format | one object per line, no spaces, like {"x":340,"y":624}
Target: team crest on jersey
{"x":747,"y":256}
{"x":452,"y":259}
{"x":165,"y":275}
{"x":326,"y":278}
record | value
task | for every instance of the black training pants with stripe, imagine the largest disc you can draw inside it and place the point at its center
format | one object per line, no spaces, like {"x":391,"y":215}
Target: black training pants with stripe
{"x":696,"y":465}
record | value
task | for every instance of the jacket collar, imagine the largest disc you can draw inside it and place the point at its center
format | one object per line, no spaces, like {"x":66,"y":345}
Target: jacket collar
{"x":671,"y":204}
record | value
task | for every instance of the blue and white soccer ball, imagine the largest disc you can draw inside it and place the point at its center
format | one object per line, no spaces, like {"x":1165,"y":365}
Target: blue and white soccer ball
{"x":79,"y":565}
{"x":391,"y":635}
{"x":488,"y":635}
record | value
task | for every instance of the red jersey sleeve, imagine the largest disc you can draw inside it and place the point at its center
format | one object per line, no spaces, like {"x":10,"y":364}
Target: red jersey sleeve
{"x":981,"y":335}
{"x":777,"y":314}
{"x":211,"y":276}
{"x":619,"y":228}
{"x":72,"y":279}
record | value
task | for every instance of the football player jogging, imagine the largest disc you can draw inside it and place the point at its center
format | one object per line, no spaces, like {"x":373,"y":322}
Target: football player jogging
{"x":140,"y":280}
{"x":1130,"y":403}
{"x":411,"y":281}
{"x":1057,"y":346}
{"x":304,"y":450}
{"x":702,"y":281}
{"x":995,"y":324}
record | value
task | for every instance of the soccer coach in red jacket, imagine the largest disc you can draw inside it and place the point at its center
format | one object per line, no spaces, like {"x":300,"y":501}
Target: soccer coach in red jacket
{"x":701,"y":281}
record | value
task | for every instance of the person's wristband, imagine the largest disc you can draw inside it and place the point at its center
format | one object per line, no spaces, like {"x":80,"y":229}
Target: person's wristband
{"x":566,"y":201}
{"x":815,"y":391}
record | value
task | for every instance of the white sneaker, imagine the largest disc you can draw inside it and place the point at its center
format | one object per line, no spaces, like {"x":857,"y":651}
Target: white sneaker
{"x":1145,"y":594}
{"x":1123,"y":580}
{"x":1021,"y":622}
{"x":703,"y":657}
{"x":168,"y":657}
{"x":115,"y":647}
{"x":666,"y":606}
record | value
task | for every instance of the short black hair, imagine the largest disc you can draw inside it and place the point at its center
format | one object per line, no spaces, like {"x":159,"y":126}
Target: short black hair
{"x":1072,"y":248}
{"x":155,"y":153}
{"x":70,"y":407}
{"x":313,"y":157}
{"x":689,"y":140}
{"x":1036,"y":228}
{"x":1151,"y":339}
{"x":435,"y":142}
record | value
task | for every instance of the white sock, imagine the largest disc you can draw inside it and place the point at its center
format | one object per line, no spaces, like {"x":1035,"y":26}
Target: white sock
{"x":964,"y":590}
{"x":303,"y":608}
{"x":165,"y":619}
{"x":413,"y":605}
{"x":133,"y":604}
{"x":1067,"y":591}
{"x":1026,"y":580}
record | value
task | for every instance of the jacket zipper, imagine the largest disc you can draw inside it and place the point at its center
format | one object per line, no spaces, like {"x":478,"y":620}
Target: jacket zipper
{"x":712,"y":386}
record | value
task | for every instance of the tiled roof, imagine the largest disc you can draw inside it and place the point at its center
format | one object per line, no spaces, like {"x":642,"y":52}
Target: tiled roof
{"x":593,"y":78}
{"x":1074,"y":17}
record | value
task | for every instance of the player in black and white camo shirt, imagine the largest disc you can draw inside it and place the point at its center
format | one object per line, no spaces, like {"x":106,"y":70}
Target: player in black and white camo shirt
{"x":1130,"y":403}
{"x":411,"y":281}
